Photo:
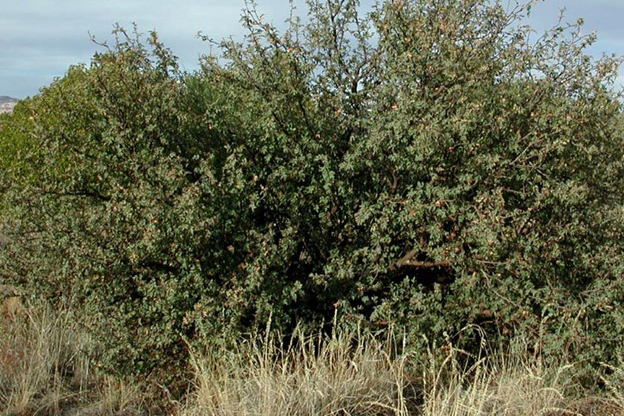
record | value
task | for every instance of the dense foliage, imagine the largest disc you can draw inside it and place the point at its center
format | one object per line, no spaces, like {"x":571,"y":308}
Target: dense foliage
{"x":427,"y":165}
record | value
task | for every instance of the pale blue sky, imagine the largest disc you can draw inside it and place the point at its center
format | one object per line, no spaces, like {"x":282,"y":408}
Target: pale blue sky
{"x":39,"y":39}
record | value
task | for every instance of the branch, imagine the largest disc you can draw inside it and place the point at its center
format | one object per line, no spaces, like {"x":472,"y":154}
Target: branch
{"x":426,"y":264}
{"x":407,"y":261}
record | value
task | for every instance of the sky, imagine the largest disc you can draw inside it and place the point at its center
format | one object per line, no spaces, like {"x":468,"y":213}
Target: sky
{"x":40,"y":39}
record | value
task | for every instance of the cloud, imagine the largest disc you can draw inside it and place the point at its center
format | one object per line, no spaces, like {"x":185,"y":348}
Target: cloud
{"x":40,"y":39}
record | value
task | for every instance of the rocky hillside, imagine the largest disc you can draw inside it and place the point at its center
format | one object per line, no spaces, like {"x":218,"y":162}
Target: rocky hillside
{"x":7,"y":104}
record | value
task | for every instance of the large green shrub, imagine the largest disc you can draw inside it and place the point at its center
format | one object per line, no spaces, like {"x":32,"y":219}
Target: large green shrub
{"x":426,"y":165}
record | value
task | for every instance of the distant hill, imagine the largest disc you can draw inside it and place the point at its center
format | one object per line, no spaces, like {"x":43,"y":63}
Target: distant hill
{"x":7,"y":104}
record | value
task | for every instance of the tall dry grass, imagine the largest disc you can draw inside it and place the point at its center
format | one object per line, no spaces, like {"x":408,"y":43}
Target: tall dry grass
{"x":357,"y":374}
{"x":495,"y":383}
{"x":45,"y":368}
{"x":349,"y":373}
{"x":41,"y":364}
{"x":615,"y":386}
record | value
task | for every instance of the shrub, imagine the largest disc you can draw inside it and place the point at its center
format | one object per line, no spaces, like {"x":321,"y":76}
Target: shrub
{"x":425,"y":165}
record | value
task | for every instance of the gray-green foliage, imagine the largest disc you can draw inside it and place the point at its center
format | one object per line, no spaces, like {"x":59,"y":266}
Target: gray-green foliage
{"x":427,"y":165}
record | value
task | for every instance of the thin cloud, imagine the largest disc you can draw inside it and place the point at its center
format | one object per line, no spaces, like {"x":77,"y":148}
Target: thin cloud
{"x":40,"y":39}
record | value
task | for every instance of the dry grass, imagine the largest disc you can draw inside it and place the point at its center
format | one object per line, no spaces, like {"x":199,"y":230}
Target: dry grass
{"x":44,"y":369}
{"x":495,"y":385}
{"x":344,"y":374}
{"x":352,"y":374}
{"x":42,"y":365}
{"x":615,"y":387}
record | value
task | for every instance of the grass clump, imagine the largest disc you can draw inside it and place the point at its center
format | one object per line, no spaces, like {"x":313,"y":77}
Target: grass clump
{"x":45,"y":365}
{"x":495,"y":385}
{"x":42,"y":364}
{"x":344,"y":373}
{"x":355,"y":373}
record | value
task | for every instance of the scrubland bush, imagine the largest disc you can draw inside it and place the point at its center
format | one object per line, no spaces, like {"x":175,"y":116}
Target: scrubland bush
{"x":429,"y":165}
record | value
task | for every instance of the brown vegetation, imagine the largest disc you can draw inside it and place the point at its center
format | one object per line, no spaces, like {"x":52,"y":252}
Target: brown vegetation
{"x":45,"y":370}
